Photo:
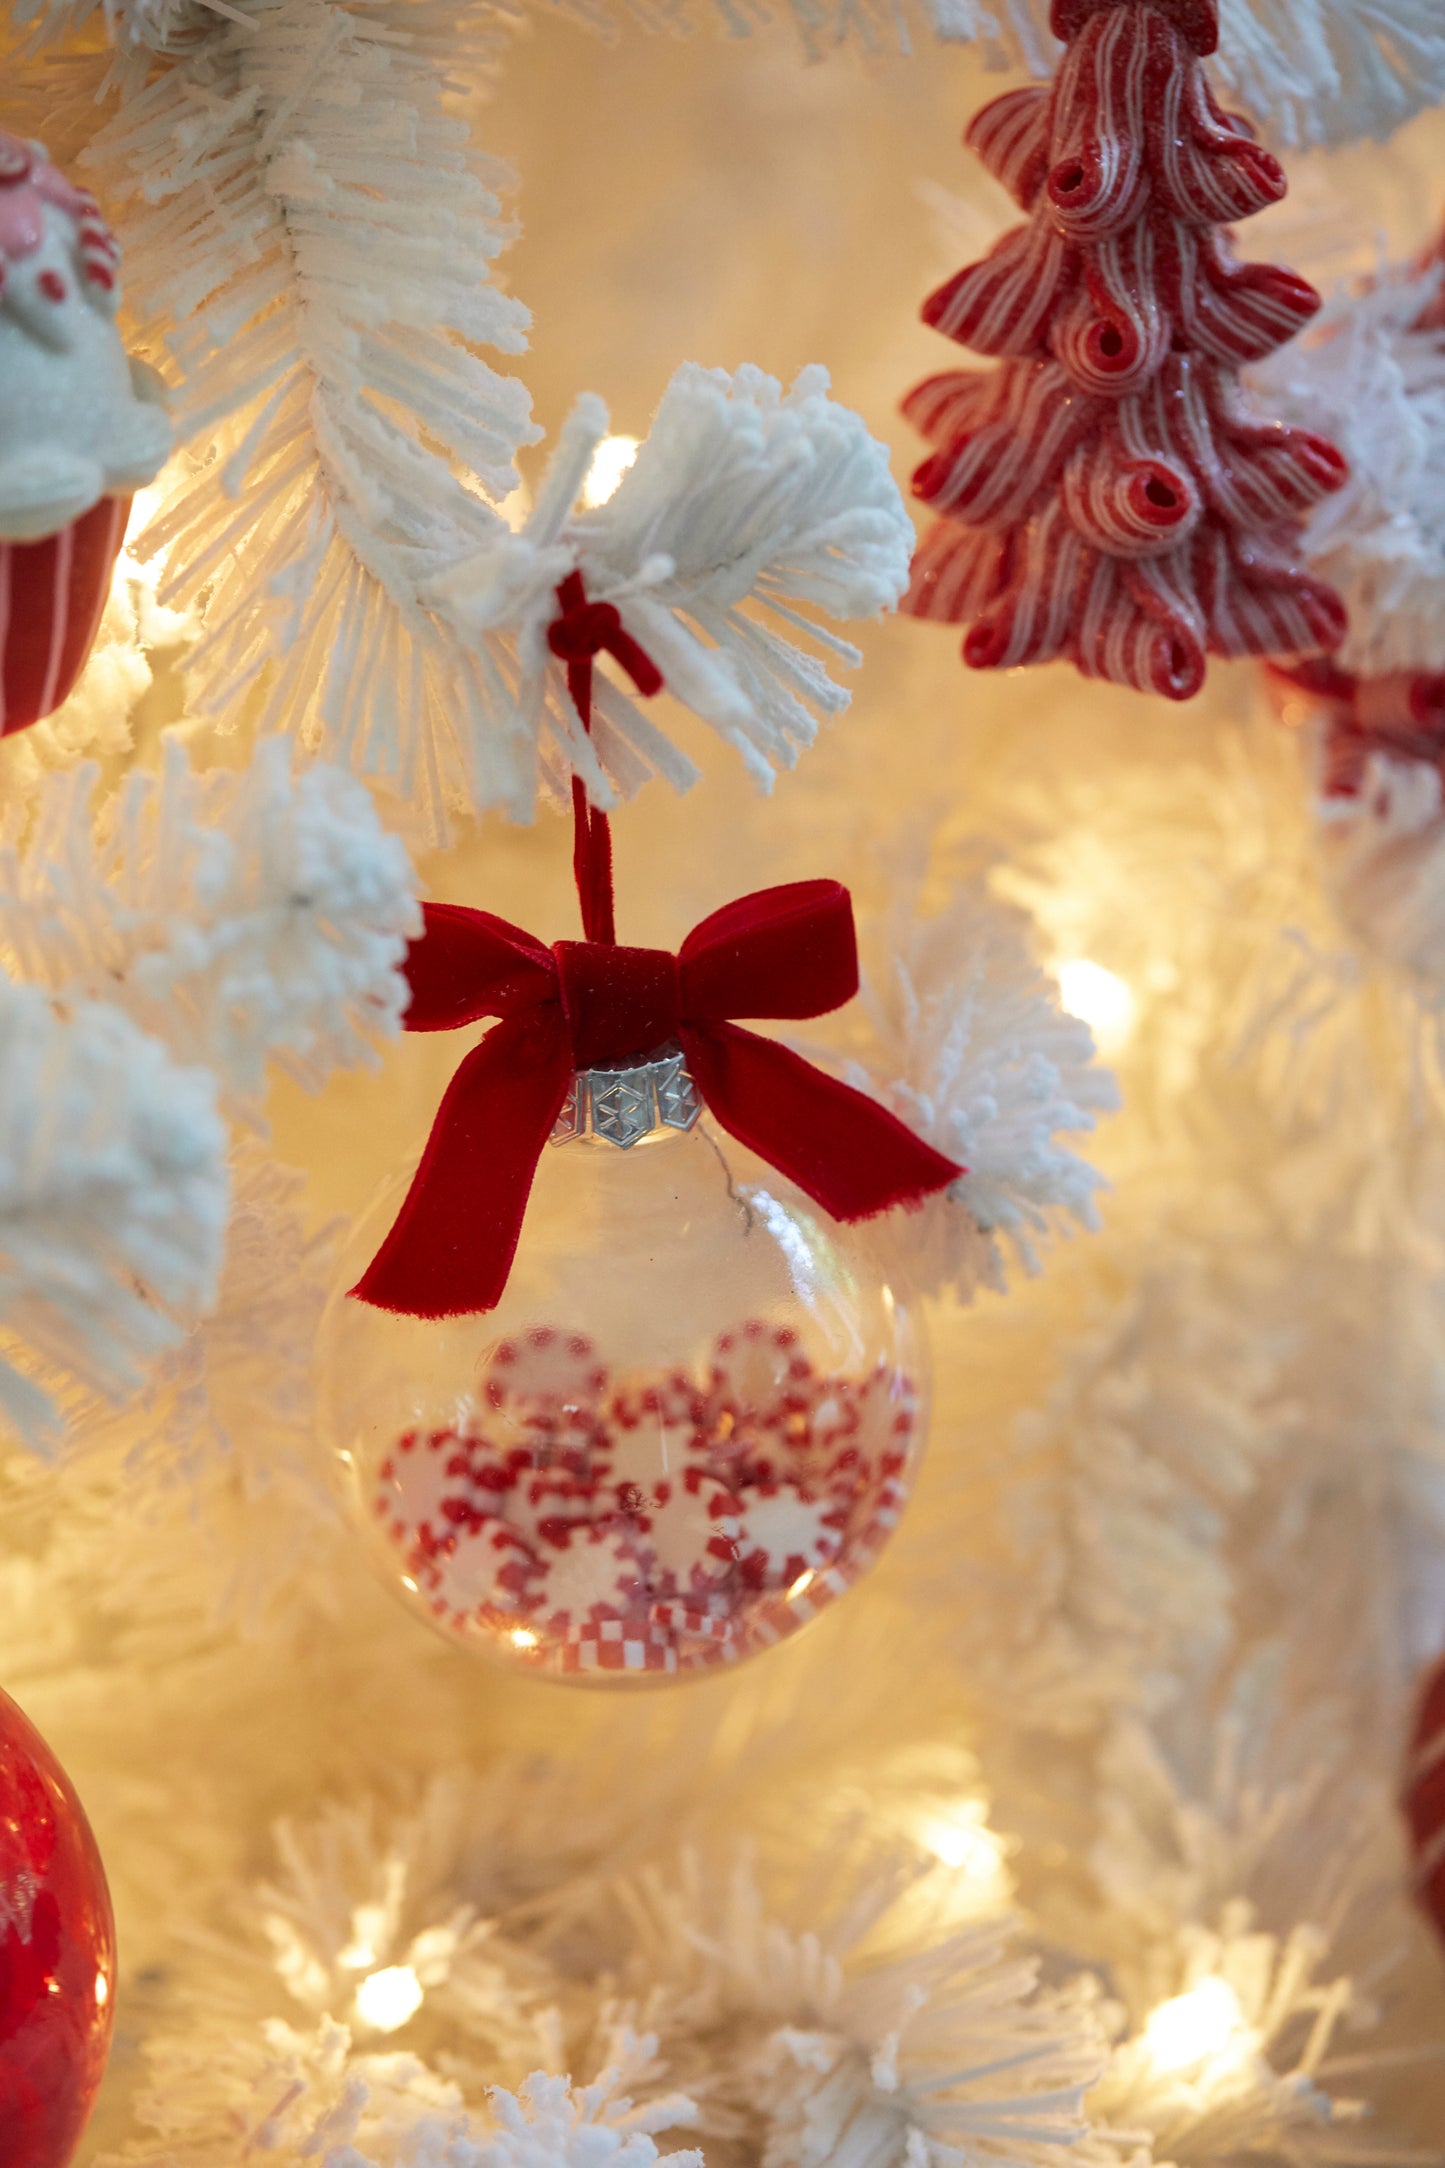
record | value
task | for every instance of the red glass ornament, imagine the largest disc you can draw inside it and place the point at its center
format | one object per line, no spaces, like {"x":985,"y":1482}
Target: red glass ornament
{"x":52,"y":596}
{"x":1423,"y":1802}
{"x":57,"y":1954}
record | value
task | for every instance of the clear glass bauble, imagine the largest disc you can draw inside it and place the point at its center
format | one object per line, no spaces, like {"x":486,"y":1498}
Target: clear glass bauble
{"x":689,"y":1426}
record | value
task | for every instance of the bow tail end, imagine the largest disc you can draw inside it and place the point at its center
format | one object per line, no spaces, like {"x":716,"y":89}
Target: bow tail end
{"x":450,"y":1248}
{"x":842,"y":1149}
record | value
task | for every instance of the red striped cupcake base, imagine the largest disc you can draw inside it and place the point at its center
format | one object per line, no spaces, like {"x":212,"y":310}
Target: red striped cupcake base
{"x":52,"y":597}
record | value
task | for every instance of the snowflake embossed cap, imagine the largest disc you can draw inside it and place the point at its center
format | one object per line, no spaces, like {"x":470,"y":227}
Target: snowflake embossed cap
{"x":79,"y":421}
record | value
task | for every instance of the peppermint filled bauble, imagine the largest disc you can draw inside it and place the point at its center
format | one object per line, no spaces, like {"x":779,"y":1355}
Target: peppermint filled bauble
{"x":81,"y":428}
{"x":57,"y":1954}
{"x":688,"y":1426}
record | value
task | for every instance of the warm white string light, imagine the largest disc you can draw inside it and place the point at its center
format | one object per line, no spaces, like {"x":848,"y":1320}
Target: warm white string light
{"x":610,"y":461}
{"x":1100,"y":998}
{"x":974,"y":1855}
{"x":1201,"y":2026}
{"x":386,"y":2000}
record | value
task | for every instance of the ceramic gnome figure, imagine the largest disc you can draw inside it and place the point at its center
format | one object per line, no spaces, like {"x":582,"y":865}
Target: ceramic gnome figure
{"x":81,"y":428}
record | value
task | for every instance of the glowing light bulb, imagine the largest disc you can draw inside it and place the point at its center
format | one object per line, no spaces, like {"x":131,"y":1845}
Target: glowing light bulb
{"x":963,"y":1840}
{"x":1100,"y":998}
{"x":386,"y":1999}
{"x":522,"y":1637}
{"x":610,"y":461}
{"x":1197,"y":2026}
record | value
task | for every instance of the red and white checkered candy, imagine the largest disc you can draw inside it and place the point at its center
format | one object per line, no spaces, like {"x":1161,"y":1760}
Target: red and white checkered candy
{"x":786,"y":1532}
{"x":423,"y":1487}
{"x":690,"y":1528}
{"x":780,"y":1614}
{"x":597,"y":1571}
{"x":483,"y":1565}
{"x":712,"y":1620}
{"x":613,"y":1645}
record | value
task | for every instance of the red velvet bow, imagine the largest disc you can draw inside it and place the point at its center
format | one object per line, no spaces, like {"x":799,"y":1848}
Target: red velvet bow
{"x":784,"y":952}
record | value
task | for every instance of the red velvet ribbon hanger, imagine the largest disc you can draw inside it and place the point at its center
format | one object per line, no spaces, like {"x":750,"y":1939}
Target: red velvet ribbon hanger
{"x":786,"y":952}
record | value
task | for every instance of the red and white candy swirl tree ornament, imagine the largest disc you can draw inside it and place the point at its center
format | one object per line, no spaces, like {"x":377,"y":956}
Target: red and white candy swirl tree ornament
{"x":622,"y":1393}
{"x":57,"y":1954}
{"x":81,"y":428}
{"x":1107,"y":494}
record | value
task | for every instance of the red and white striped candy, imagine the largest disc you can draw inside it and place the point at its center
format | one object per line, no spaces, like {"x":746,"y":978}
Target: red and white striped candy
{"x":758,"y":1369}
{"x":547,"y":1504}
{"x":52,"y":597}
{"x":493,"y":1473}
{"x":483,"y":1565}
{"x":669,"y":1528}
{"x":674,"y":1401}
{"x":651,"y":1434}
{"x":424,"y":1488}
{"x":689,"y":1528}
{"x":785,"y":1533}
{"x":597,"y":1571}
{"x":761,"y":1383}
{"x":545,"y":1368}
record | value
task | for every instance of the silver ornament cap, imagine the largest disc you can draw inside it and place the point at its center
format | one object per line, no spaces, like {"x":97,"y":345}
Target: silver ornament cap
{"x":628,"y":1101}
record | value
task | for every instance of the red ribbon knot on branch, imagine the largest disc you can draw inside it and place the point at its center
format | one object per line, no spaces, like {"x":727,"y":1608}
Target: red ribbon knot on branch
{"x":580,"y":632}
{"x":583,"y":630}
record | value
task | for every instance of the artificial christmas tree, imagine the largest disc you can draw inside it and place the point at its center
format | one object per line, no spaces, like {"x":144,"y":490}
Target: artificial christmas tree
{"x":1072,"y":1838}
{"x":1372,"y":719}
{"x":1106,"y":494}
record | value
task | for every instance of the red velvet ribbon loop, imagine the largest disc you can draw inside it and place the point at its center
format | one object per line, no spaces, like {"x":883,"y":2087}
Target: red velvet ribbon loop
{"x":783,"y":952}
